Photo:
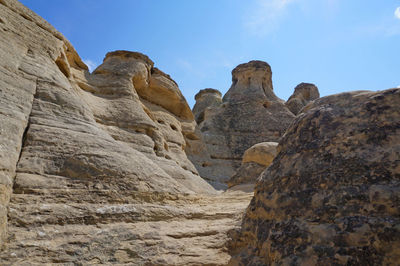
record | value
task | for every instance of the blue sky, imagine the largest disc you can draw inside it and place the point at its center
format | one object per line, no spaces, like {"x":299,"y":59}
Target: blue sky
{"x":339,"y":45}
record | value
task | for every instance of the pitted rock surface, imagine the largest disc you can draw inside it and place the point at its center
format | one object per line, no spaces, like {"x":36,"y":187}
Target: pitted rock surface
{"x":205,"y":98}
{"x":302,"y":95}
{"x":250,"y":113}
{"x":332,"y":194}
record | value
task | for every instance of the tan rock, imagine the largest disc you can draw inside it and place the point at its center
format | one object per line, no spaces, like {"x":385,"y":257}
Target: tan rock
{"x":250,"y":113}
{"x":303,"y":94}
{"x":205,"y":98}
{"x":262,"y":153}
{"x":27,"y":52}
{"x":100,"y":175}
{"x":331,"y":196}
{"x":255,"y":160}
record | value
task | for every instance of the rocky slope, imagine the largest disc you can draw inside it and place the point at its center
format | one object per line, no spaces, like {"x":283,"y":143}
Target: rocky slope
{"x":250,"y":113}
{"x":181,"y":230}
{"x":332,"y":194}
{"x":93,"y":166}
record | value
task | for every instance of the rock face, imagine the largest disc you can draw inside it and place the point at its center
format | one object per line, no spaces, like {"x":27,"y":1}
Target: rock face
{"x":93,"y":167}
{"x":250,"y":113}
{"x":303,"y":94}
{"x":255,"y":160}
{"x":332,"y":194}
{"x":205,"y":98}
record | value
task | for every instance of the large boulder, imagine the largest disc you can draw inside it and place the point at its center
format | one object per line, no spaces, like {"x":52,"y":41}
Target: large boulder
{"x":250,"y":113}
{"x":332,"y":194}
{"x":255,"y":160}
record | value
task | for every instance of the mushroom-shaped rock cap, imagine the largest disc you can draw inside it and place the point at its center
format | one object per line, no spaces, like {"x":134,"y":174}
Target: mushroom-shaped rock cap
{"x":150,"y":83}
{"x":208,"y":91}
{"x":205,"y":98}
{"x":252,"y":66}
{"x":302,"y":95}
{"x":129,"y":54}
{"x":251,"y":81}
{"x":308,"y":90}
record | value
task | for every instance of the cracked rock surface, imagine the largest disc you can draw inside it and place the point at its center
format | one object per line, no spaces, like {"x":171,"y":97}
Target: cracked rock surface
{"x":332,"y":194}
{"x":93,"y":166}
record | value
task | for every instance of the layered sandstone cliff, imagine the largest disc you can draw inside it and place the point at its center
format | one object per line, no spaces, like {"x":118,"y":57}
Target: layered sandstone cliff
{"x":331,"y":196}
{"x":93,"y":166}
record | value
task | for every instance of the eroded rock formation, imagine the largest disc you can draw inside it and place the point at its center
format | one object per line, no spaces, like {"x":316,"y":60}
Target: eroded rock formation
{"x":205,"y":98}
{"x":93,"y":167}
{"x":250,"y":113}
{"x":302,"y":95}
{"x":107,"y":167}
{"x":331,"y":196}
{"x":255,"y":160}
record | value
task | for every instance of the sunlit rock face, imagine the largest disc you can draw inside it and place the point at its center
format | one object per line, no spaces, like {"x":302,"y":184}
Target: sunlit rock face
{"x":255,"y":160}
{"x":250,"y":113}
{"x":302,"y":95}
{"x":93,"y":166}
{"x":205,"y":98}
{"x":332,"y":194}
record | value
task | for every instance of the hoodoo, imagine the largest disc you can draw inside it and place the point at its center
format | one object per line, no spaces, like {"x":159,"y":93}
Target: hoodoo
{"x":250,"y":113}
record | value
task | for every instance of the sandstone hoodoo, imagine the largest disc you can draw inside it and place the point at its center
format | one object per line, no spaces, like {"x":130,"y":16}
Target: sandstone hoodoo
{"x":255,"y":160}
{"x":331,"y":196}
{"x":205,"y":98}
{"x":250,"y":113}
{"x":302,"y":95}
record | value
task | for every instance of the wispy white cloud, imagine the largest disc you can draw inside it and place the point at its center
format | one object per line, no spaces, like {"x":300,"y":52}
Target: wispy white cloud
{"x":397,"y":12}
{"x":264,"y":16}
{"x":385,"y":28}
{"x":91,"y":64}
{"x":398,"y":86}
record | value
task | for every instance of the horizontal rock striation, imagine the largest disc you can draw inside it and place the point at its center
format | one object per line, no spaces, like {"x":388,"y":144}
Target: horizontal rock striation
{"x":93,"y":166}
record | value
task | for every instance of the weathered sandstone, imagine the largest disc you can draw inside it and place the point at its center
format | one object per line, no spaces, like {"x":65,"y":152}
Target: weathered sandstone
{"x":93,"y":166}
{"x":250,"y":113}
{"x":205,"y":98}
{"x":302,"y":95}
{"x":332,"y":194}
{"x":110,"y":167}
{"x":255,"y":160}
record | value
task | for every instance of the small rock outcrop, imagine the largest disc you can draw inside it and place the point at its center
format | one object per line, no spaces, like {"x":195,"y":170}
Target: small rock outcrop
{"x":332,"y":194}
{"x":250,"y":113}
{"x":205,"y":98}
{"x":255,"y":160}
{"x":303,"y":94}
